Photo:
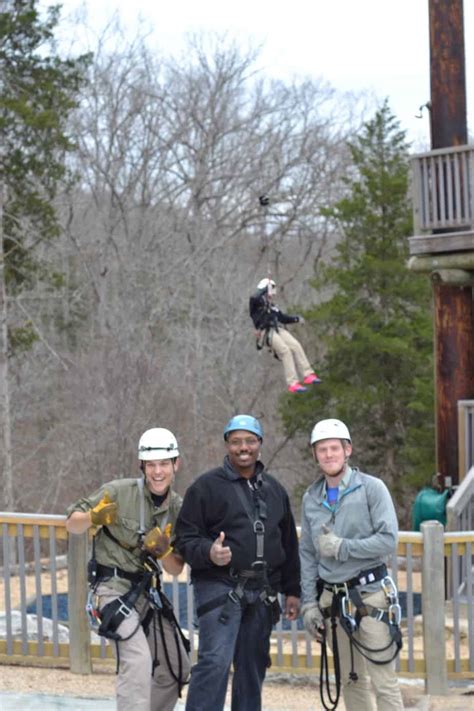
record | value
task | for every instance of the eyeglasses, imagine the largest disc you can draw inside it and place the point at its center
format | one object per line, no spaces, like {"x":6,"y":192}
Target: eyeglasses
{"x":249,"y":441}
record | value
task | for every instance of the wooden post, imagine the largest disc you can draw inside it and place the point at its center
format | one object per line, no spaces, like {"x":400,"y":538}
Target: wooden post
{"x":454,"y":350}
{"x":453,"y":307}
{"x":434,"y":642}
{"x":447,"y":74}
{"x":79,"y":632}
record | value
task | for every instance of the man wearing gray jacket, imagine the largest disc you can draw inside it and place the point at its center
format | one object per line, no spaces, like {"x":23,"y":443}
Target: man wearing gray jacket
{"x":349,"y":527}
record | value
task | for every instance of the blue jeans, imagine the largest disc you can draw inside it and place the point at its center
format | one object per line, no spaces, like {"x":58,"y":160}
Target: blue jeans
{"x":243,"y":640}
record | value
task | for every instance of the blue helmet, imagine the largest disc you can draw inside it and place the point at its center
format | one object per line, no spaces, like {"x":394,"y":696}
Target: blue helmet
{"x":244,"y":422}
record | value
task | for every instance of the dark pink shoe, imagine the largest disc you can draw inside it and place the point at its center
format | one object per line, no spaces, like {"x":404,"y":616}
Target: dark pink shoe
{"x":296,"y":388}
{"x":312,"y":379}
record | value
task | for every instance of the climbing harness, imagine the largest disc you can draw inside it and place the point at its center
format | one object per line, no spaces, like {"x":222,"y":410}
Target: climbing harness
{"x":259,"y":569}
{"x":348,"y":605}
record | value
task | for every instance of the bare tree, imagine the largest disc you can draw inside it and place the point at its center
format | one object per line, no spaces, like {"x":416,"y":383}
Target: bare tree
{"x":164,"y":239}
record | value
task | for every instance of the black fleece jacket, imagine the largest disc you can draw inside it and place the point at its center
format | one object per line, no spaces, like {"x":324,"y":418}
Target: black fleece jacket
{"x":211,"y":505}
{"x":264,"y":314}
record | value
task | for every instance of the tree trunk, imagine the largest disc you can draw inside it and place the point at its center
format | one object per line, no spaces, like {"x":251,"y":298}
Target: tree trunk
{"x":5,"y":420}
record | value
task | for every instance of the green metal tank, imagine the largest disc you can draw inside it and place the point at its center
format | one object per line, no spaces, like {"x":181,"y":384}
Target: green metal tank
{"x":429,"y":505}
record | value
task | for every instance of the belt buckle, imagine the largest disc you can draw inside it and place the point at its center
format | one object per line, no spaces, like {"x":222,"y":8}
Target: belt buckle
{"x":258,"y":527}
{"x":234,"y":597}
{"x":124,"y":610}
{"x":259,"y":566}
{"x":340,"y":587}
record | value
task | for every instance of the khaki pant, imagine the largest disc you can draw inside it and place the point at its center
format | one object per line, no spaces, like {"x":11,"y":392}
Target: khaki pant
{"x":381,"y":678}
{"x":136,"y":688}
{"x":291,"y":353}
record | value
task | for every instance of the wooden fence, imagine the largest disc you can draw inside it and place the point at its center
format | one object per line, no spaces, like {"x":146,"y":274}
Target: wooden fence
{"x":438,"y":632}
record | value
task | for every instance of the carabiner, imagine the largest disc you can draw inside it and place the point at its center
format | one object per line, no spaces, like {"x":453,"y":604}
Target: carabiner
{"x":346,"y":613}
{"x":390,"y":589}
{"x":395,"y":614}
{"x":92,"y":612}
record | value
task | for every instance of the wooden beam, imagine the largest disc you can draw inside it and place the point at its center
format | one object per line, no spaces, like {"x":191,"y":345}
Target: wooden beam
{"x":448,"y":242}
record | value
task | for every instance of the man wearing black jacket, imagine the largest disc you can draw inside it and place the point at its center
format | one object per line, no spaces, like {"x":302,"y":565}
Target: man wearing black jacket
{"x":269,"y":320}
{"x":237,"y":532}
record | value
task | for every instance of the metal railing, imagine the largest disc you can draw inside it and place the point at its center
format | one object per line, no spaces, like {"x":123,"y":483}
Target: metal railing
{"x":460,"y":508}
{"x":37,"y":541}
{"x":443,"y":189}
{"x":465,"y":436}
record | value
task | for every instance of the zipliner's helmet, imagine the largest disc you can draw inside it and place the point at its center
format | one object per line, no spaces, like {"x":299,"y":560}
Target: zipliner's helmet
{"x":267,"y":284}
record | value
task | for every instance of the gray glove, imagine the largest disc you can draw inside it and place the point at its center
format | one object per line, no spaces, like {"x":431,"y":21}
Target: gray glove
{"x":301,"y":319}
{"x":329,"y":544}
{"x":313,"y":620}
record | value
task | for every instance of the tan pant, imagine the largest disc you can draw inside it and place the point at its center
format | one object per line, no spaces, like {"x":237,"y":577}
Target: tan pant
{"x":291,"y":353}
{"x":382,"y":678}
{"x":136,"y":688}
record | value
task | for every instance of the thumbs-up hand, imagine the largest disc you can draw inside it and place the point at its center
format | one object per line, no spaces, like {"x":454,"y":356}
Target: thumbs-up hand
{"x":219,"y":553}
{"x":329,"y":543}
{"x":105,"y":512}
{"x":157,"y":542}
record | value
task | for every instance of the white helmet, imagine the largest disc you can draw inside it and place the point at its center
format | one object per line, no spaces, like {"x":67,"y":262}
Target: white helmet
{"x":265,"y":283}
{"x":329,"y":429}
{"x":157,"y":443}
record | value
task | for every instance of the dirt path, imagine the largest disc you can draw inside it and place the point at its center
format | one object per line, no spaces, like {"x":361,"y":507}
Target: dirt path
{"x":284,"y":694}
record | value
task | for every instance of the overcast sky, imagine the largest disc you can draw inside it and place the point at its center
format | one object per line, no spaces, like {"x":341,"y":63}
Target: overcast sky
{"x":381,"y":46}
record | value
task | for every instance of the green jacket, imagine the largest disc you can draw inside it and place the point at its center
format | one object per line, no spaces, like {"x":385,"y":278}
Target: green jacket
{"x":126,"y":493}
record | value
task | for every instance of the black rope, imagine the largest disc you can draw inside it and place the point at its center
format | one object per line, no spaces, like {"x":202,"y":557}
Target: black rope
{"x":177,"y":677}
{"x":324,"y":670}
{"x":156,"y":661}
{"x":360,"y":646}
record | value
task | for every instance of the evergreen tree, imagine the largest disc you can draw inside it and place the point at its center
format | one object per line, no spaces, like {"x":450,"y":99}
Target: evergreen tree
{"x":38,"y":91}
{"x":374,"y":325}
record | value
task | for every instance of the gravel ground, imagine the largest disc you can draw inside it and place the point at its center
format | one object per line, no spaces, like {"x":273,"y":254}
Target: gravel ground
{"x":281,"y":692}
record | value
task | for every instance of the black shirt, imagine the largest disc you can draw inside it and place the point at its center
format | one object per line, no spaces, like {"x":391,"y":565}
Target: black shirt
{"x":211,"y":505}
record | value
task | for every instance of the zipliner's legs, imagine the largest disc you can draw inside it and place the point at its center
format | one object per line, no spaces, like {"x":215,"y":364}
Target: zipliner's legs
{"x":291,"y":353}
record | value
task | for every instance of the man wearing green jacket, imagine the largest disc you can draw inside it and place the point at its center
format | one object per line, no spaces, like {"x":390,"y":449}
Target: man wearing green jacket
{"x":136,"y":519}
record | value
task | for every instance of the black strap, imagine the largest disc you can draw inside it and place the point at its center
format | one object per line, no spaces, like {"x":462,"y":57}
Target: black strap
{"x":258,"y":516}
{"x":105,"y":571}
{"x":211,"y":604}
{"x":365,"y":577}
{"x":372,"y":575}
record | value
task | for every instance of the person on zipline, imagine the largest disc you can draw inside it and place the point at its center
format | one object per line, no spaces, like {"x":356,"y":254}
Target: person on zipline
{"x":269,"y":323}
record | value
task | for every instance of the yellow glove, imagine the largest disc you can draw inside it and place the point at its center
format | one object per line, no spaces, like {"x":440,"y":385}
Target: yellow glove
{"x":105,"y":512}
{"x":157,"y":542}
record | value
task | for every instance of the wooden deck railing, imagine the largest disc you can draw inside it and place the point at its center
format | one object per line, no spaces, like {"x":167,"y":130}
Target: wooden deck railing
{"x":33,"y":545}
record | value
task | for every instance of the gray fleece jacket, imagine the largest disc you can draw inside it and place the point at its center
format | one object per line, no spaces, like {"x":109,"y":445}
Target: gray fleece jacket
{"x":364,"y":517}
